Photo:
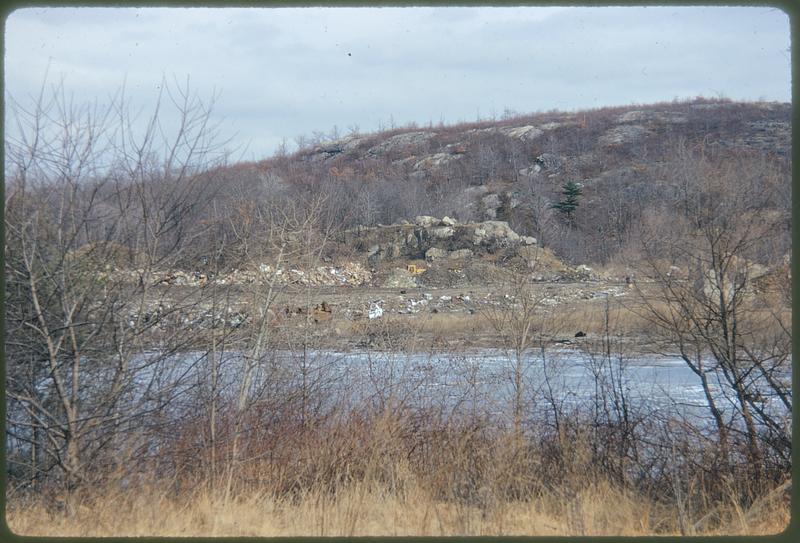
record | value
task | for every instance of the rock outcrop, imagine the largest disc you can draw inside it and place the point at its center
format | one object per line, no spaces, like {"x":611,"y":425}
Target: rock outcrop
{"x":639,"y":116}
{"x":431,"y":239}
{"x":401,"y":141}
{"x":623,"y":135}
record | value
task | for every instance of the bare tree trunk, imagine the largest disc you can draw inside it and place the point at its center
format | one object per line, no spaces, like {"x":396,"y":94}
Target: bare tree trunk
{"x":252,"y":359}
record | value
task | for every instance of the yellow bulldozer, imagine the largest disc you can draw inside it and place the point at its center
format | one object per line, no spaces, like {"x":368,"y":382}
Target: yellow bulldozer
{"x":413,"y":269}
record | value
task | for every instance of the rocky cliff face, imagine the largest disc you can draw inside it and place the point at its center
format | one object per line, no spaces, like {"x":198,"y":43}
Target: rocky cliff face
{"x":429,"y":238}
{"x":766,"y":126}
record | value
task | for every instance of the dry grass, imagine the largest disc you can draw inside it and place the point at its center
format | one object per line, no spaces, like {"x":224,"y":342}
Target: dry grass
{"x":366,"y":509}
{"x":589,"y":316}
{"x":384,"y":475}
{"x":419,"y":329}
{"x":625,"y":320}
{"x":453,"y":324}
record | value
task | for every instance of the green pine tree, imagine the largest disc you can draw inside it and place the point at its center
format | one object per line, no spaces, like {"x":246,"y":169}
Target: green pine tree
{"x":569,"y":202}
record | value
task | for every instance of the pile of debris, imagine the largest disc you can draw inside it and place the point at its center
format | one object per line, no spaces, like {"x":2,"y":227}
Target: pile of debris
{"x":349,"y":274}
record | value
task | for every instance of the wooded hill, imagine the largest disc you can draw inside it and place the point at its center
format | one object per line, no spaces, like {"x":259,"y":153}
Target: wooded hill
{"x":628,"y":164}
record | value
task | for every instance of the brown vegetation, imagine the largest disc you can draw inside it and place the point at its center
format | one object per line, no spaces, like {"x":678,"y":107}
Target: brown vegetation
{"x":381,"y":474}
{"x":139,"y":407}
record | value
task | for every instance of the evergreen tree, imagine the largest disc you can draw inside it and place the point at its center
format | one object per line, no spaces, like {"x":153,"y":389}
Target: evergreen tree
{"x":569,"y":202}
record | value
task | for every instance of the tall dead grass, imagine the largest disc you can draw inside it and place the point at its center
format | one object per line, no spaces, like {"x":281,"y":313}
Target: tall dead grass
{"x":384,"y":475}
{"x":368,"y":509}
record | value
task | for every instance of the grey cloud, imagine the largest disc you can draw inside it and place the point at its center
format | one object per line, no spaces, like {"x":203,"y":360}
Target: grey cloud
{"x":285,"y":72}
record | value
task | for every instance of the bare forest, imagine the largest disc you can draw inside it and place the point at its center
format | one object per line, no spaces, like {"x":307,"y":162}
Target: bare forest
{"x":427,"y":330}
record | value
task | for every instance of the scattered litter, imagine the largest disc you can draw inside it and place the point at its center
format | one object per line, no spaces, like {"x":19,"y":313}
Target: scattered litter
{"x":375,"y":310}
{"x":350,"y":274}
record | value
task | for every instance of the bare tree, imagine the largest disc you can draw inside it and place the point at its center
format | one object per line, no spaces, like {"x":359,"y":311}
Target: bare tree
{"x":706,"y":302}
{"x":523,"y":328}
{"x":93,"y":210}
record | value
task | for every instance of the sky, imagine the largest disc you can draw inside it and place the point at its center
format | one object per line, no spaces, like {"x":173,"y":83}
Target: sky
{"x":283,"y":73}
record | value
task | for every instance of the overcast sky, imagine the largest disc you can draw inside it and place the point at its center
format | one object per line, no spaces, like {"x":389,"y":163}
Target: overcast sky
{"x":282,"y":73}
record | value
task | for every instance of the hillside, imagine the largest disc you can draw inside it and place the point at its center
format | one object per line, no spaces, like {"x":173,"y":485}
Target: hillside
{"x":459,"y":207}
{"x":625,"y":159}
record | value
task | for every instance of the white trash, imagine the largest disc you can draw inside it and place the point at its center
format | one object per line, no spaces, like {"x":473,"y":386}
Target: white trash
{"x":375,"y":311}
